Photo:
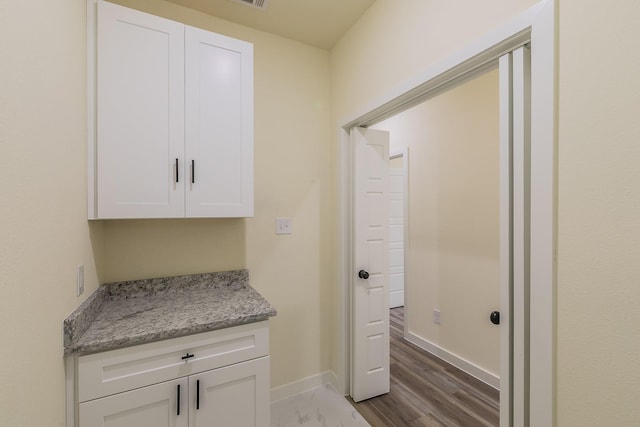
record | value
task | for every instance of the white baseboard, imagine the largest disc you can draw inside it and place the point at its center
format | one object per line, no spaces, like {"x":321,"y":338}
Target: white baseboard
{"x":470,"y":368}
{"x":396,"y":299}
{"x":305,"y":384}
{"x":333,"y":380}
{"x":330,"y":377}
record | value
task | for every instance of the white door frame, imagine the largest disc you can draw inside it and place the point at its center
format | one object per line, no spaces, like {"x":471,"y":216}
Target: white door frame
{"x":404,"y":153}
{"x":537,"y":27}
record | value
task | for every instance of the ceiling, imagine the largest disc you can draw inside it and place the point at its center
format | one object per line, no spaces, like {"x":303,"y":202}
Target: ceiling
{"x":320,"y":23}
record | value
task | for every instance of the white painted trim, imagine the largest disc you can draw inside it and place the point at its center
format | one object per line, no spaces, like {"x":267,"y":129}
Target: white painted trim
{"x":305,"y":384}
{"x":543,"y":217}
{"x":344,"y":263}
{"x":334,"y":381}
{"x":521,"y":219}
{"x":407,"y":242}
{"x":71,"y":412}
{"x":453,"y":359}
{"x":91,"y":108}
{"x":394,"y":154}
{"x":506,"y":241}
{"x":404,"y":152}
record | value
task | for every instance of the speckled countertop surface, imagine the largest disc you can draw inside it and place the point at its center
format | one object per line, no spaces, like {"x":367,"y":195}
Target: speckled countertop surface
{"x":135,"y":312}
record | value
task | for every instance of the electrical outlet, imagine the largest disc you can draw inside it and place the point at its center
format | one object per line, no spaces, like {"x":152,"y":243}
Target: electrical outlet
{"x":283,"y":226}
{"x":80,"y":280}
{"x":436,"y":316}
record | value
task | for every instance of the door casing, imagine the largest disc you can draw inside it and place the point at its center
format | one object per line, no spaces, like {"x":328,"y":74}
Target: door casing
{"x":404,"y":154}
{"x":536,"y":27}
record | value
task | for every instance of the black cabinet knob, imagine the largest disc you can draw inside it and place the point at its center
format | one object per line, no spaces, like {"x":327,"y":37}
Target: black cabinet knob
{"x":363,"y":274}
{"x":495,"y":317}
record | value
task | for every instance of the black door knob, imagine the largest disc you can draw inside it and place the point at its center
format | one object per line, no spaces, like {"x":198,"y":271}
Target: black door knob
{"x":363,"y":274}
{"x":495,"y":317}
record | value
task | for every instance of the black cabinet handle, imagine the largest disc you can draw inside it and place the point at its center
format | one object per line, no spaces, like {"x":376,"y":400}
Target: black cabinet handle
{"x":187,"y":356}
{"x":178,"y":412}
{"x":198,"y":394}
{"x":363,"y":274}
{"x":193,"y":171}
{"x":177,"y":173}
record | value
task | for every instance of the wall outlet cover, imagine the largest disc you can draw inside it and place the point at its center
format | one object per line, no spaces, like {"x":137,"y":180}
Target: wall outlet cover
{"x":80,"y":280}
{"x":436,"y":316}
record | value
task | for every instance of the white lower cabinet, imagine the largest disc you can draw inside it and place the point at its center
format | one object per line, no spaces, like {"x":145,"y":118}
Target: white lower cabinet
{"x":156,"y":405}
{"x":218,"y":378}
{"x":237,"y":395}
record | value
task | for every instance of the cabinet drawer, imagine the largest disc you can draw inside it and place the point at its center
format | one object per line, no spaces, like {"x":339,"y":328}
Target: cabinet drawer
{"x":114,"y":371}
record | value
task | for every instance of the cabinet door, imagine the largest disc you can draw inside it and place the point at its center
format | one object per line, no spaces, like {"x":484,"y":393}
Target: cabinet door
{"x":219,"y":125}
{"x":160,"y":405}
{"x":233,"y":396}
{"x":140,"y":115}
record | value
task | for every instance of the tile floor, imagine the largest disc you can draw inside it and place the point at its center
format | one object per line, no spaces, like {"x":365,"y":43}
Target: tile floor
{"x":321,"y":407}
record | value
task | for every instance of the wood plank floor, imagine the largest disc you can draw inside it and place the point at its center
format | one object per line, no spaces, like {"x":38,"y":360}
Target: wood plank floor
{"x":426,"y":391}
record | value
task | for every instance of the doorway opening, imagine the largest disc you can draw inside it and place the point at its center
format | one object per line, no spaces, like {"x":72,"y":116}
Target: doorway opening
{"x":452,"y":248}
{"x":527,"y":388}
{"x":452,"y":234}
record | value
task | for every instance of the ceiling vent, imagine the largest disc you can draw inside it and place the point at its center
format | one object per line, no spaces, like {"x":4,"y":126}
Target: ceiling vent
{"x":257,"y":4}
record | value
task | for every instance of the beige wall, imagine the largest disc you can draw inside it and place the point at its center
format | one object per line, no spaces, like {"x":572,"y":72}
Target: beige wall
{"x":453,"y":244}
{"x":292,"y":175}
{"x":599,"y":214}
{"x":45,"y":234}
{"x":394,"y":41}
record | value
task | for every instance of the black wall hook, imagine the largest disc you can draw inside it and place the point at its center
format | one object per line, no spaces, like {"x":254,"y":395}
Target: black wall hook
{"x":495,"y":317}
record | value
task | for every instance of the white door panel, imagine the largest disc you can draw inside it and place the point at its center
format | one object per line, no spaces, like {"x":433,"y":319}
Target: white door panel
{"x":370,"y":297}
{"x":396,"y":236}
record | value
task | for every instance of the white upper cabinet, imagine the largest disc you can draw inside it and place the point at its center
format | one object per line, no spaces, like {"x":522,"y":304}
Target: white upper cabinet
{"x":219,"y":120}
{"x":170,"y":118}
{"x":140,"y":114}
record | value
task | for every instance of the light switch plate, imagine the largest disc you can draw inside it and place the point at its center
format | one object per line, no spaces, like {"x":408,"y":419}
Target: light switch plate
{"x":284,"y":226}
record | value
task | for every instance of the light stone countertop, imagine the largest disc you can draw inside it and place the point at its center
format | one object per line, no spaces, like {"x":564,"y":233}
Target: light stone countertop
{"x":122,"y":314}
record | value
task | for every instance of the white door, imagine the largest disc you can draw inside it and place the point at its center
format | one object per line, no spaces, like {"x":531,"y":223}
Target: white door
{"x":370,"y":296}
{"x":219,"y":125}
{"x":236,"y":395}
{"x":140,"y":114}
{"x":396,"y":231}
{"x":160,"y":405}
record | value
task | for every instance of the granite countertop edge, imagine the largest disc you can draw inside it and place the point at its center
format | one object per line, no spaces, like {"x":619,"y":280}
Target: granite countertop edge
{"x":124,"y":314}
{"x":107,"y":345}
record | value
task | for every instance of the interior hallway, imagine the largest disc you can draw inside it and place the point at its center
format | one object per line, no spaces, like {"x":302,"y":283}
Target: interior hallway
{"x":426,"y":391}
